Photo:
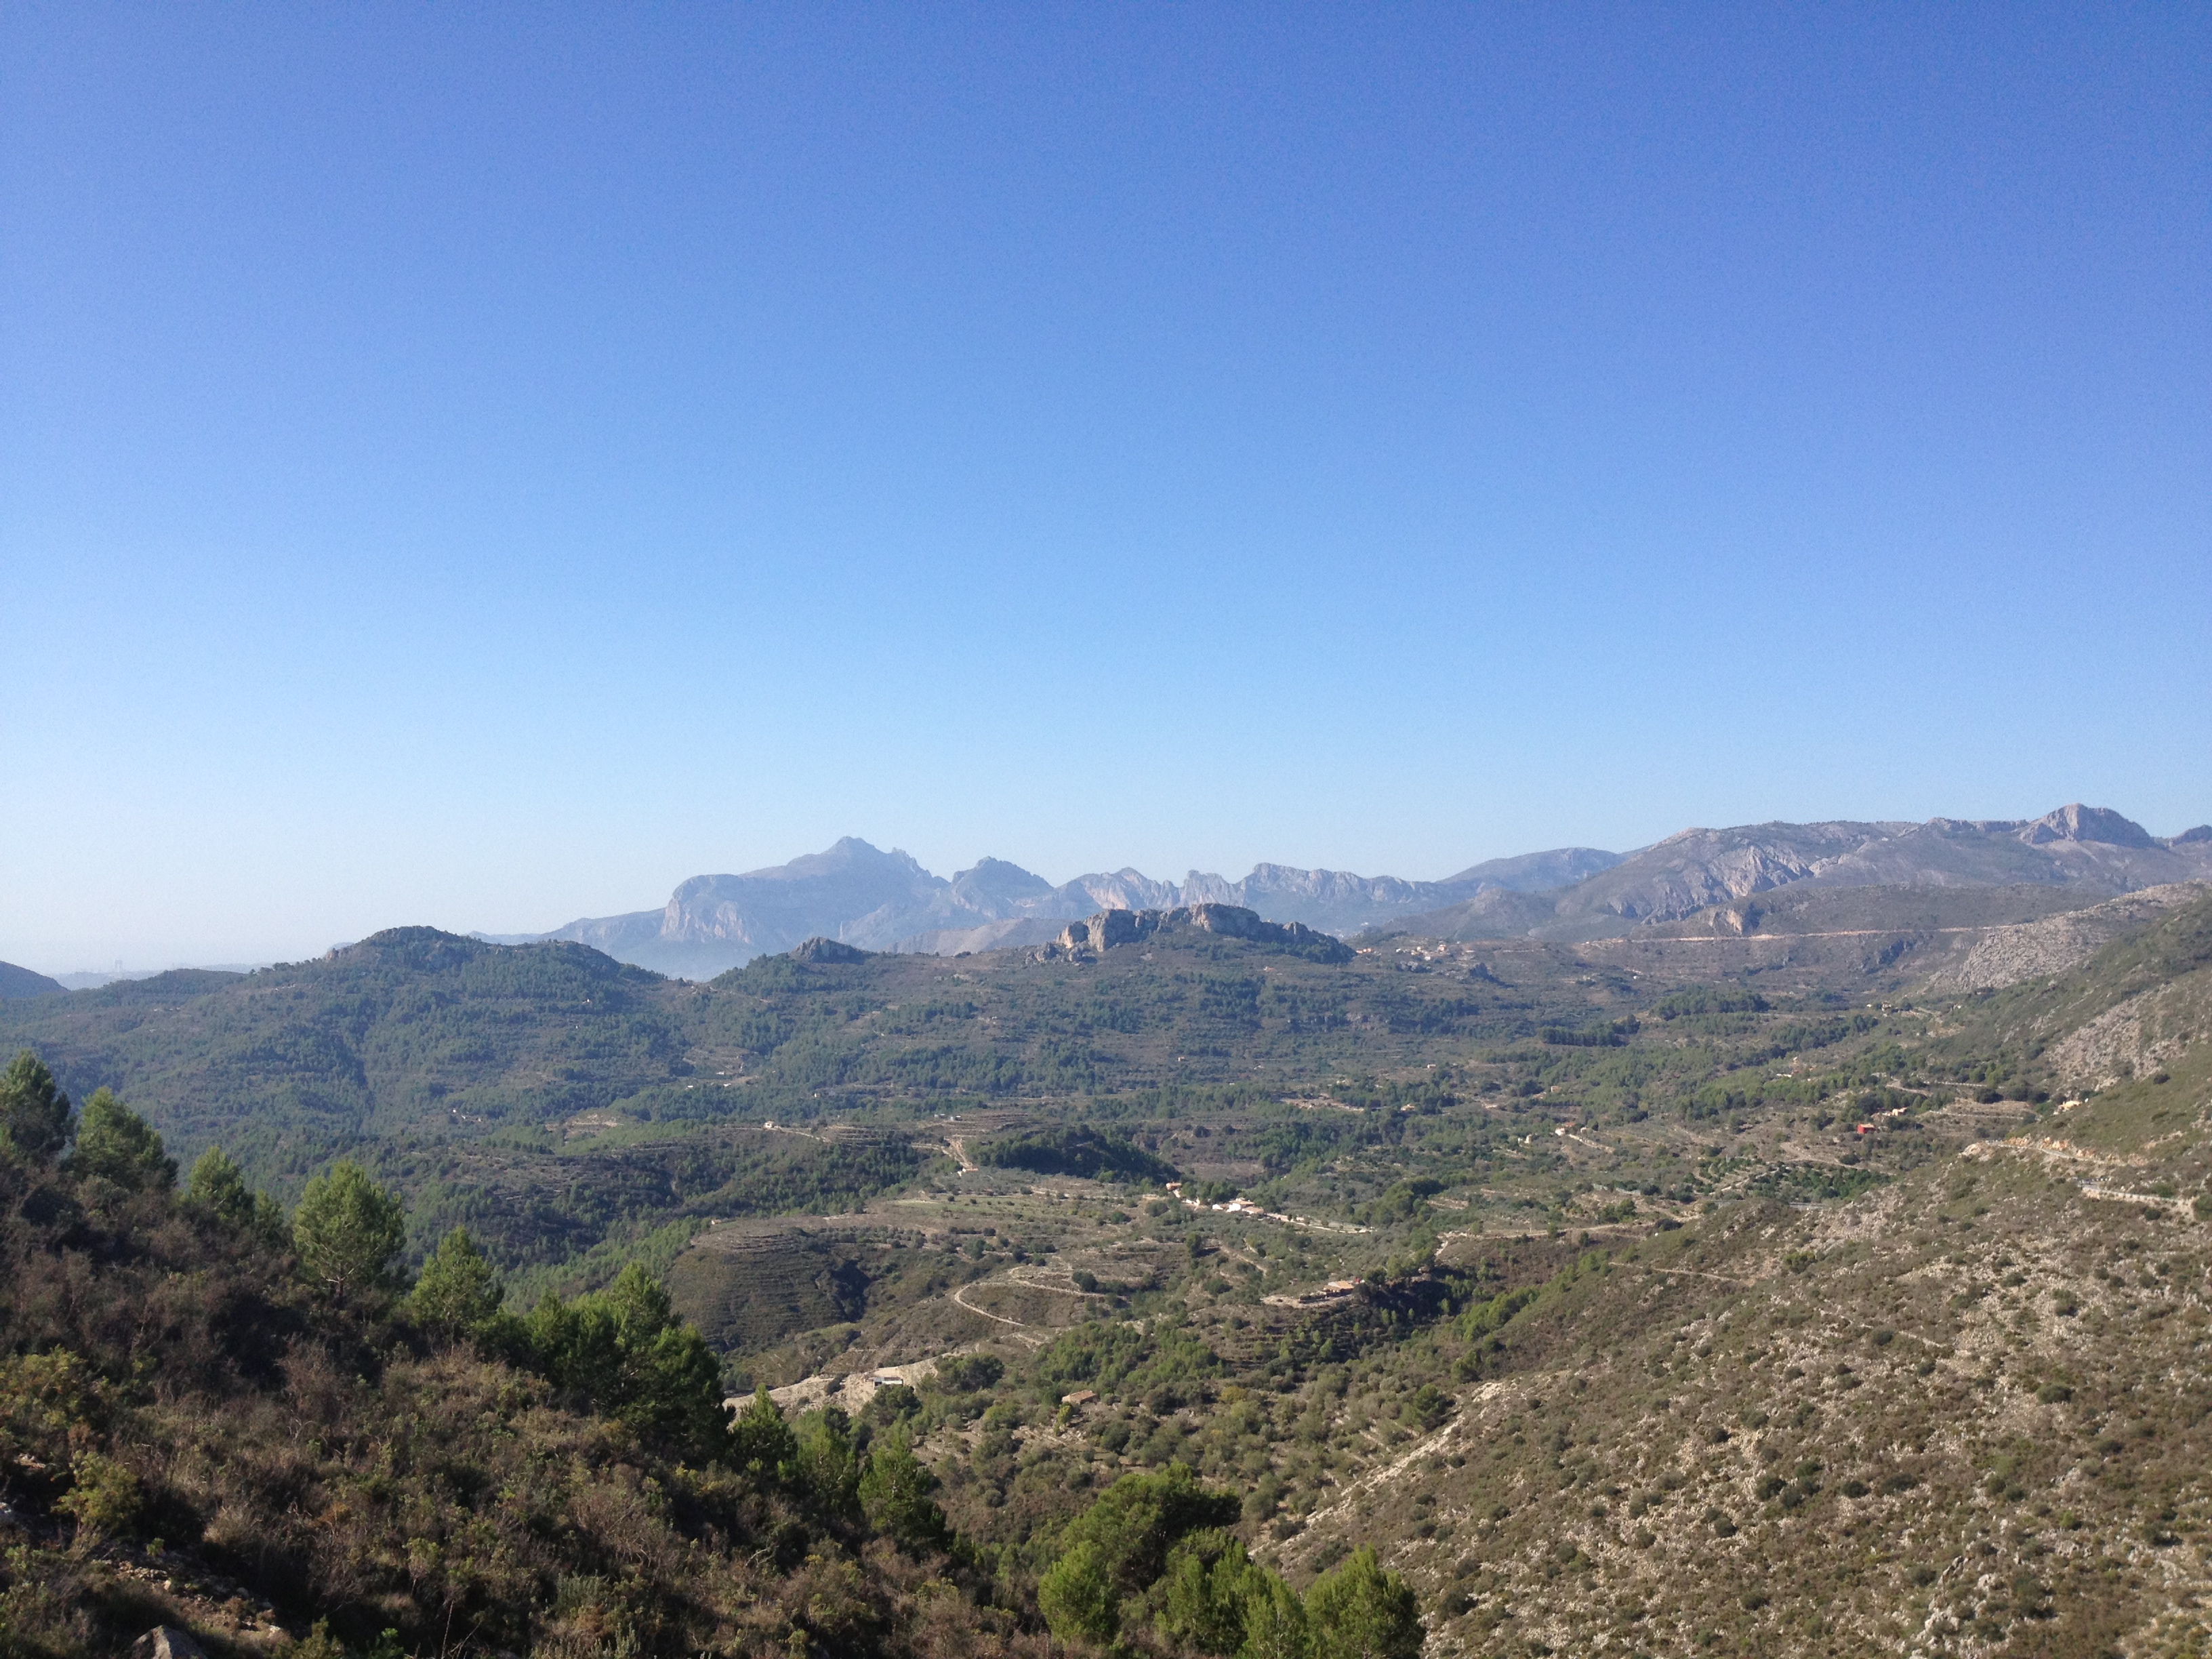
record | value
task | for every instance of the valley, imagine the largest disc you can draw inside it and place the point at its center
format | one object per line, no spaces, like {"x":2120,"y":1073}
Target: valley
{"x":1822,"y":1273}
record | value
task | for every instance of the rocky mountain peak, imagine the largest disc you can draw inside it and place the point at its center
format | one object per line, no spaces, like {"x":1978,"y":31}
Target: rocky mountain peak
{"x":994,"y":883}
{"x":2076,"y":822}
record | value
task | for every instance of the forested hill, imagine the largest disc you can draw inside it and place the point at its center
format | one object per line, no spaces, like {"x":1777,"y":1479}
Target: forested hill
{"x":23,"y":982}
{"x":409,"y":1028}
{"x":418,"y":1033}
{"x":575,"y":1112}
{"x":1830,"y":1290}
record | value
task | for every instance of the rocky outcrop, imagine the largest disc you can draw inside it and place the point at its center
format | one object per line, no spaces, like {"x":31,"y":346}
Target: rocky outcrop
{"x":166,"y":1642}
{"x":2033,"y":949}
{"x":2080,"y":823}
{"x":2090,"y":847}
{"x":1085,"y":940}
{"x":818,"y":949}
{"x":2091,"y":850}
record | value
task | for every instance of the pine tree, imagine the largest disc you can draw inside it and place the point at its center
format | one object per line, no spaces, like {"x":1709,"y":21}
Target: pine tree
{"x":114,"y":1142}
{"x":34,"y":1113}
{"x":458,"y":1292}
{"x":349,"y":1231}
{"x":895,"y":1490}
{"x":1078,"y":1597}
{"x":217,"y":1186}
{"x":627,"y":1350}
{"x":762,"y":1442}
{"x":1361,"y":1612}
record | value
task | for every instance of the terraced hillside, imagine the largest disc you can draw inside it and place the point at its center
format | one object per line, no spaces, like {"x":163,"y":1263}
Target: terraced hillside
{"x":572,"y":1110}
{"x":1962,"y":1412}
{"x":1701,"y":1290}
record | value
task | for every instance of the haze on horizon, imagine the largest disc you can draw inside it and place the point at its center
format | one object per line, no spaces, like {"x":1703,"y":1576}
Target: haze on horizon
{"x":484,"y":469}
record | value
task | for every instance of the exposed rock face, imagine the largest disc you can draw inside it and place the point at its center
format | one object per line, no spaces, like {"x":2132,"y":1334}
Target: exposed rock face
{"x":1742,"y":917}
{"x":858,"y":894}
{"x":2089,"y":848}
{"x":818,"y":949}
{"x":2080,"y":823}
{"x":861,"y":895}
{"x":2031,"y":950}
{"x":2152,"y":1028}
{"x":166,"y":1642}
{"x":1109,"y":928}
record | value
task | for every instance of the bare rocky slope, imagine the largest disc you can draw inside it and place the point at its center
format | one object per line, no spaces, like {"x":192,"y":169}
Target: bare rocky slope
{"x":861,"y":895}
{"x":2089,"y":852}
{"x":879,"y":901}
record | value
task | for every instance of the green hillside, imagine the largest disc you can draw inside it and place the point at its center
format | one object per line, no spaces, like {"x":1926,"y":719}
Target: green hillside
{"x":563,"y":1105}
{"x":1736,"y":1294}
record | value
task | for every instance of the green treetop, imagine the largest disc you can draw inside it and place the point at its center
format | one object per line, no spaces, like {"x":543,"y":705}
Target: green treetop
{"x":34,"y":1113}
{"x":760,"y":1441}
{"x":114,"y":1142}
{"x":349,"y":1231}
{"x":1360,"y":1612}
{"x":894,"y":1491}
{"x":458,"y":1292}
{"x":626,"y":1350}
{"x":217,"y":1186}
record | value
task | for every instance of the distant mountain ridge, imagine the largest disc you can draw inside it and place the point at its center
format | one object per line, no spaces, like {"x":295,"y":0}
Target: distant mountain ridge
{"x":2093,"y":850}
{"x":858,"y":894}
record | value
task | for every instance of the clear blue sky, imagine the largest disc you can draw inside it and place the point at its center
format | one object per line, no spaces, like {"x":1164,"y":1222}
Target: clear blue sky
{"x":482,"y":465}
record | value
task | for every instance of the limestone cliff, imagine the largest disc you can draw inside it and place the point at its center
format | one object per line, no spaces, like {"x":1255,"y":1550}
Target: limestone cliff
{"x":1085,"y":940}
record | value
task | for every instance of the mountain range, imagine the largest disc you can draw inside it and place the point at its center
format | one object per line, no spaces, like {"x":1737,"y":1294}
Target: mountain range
{"x":860,"y":894}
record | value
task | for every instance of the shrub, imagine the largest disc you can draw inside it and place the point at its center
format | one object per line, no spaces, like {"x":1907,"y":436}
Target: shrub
{"x":969,"y":1374}
{"x":1076,"y":1151}
{"x":104,"y":1496}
